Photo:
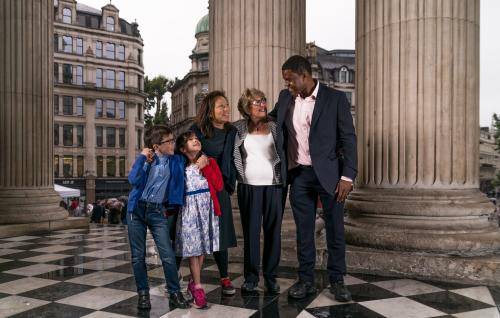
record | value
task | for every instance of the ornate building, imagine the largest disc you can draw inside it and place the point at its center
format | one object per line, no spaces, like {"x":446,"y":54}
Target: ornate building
{"x":187,"y":93}
{"x":489,"y":160}
{"x":98,"y":97}
{"x":335,"y":68}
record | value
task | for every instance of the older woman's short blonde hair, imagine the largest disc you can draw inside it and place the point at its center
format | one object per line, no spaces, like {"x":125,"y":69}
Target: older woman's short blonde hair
{"x":249,"y":94}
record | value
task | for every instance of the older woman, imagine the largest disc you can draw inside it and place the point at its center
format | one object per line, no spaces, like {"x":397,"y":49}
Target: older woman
{"x":260,"y":189}
{"x":217,"y":135}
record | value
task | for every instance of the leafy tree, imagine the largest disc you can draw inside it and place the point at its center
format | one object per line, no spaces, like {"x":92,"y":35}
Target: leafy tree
{"x":156,"y":89}
{"x":496,"y":131}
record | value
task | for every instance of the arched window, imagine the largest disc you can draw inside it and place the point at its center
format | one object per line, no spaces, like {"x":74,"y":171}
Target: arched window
{"x":344,"y":75}
{"x":67,"y":15}
{"x":110,"y":24}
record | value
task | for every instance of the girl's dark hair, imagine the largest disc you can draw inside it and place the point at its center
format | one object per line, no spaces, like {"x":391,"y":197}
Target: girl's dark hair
{"x":206,"y":112}
{"x":181,"y":142}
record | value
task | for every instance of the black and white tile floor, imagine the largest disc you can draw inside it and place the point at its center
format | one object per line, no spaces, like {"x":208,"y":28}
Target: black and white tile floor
{"x":87,"y":273}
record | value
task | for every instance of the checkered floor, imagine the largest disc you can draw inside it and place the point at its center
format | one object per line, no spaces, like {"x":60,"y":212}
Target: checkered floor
{"x":87,"y":273}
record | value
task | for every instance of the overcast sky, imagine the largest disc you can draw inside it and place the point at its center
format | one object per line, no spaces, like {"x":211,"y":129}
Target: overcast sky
{"x":167,"y":28}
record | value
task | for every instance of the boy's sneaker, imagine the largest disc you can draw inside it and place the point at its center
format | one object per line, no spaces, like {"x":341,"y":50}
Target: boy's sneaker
{"x":199,"y":299}
{"x":227,"y":287}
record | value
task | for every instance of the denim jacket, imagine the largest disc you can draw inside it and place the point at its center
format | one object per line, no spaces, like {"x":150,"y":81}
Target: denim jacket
{"x":138,"y":176}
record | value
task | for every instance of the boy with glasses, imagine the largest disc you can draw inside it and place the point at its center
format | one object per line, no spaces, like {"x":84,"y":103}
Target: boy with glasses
{"x":157,"y":178}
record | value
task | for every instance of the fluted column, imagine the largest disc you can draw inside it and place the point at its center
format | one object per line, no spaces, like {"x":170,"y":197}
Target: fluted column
{"x":26,"y":113}
{"x":417,"y":66}
{"x":249,"y":41}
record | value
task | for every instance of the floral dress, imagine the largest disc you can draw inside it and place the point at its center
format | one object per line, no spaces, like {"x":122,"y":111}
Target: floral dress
{"x":197,"y":230}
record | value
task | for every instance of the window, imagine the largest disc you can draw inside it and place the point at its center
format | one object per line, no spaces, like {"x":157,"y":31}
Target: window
{"x":98,"y":136}
{"x":79,"y":46}
{"x":99,"y":167}
{"x":67,"y":166}
{"x":139,"y":112}
{"x":67,"y":73}
{"x":56,"y":166}
{"x":121,"y":109}
{"x":204,"y":65}
{"x":98,"y":108}
{"x":56,"y":104}
{"x":56,"y":134}
{"x":79,"y":166}
{"x":120,"y":53}
{"x":110,"y":79}
{"x":110,"y":137}
{"x":67,"y":15}
{"x":56,"y":73}
{"x":111,"y":166}
{"x":139,"y":83}
{"x":349,"y":97}
{"x":56,"y":42}
{"x":78,"y":71}
{"x":139,"y":139}
{"x":110,"y":109}
{"x":204,"y":87}
{"x":67,"y":135}
{"x":98,"y":49}
{"x":344,"y":75}
{"x":98,"y":77}
{"x":139,"y":56}
{"x":110,"y":24}
{"x":110,"y":51}
{"x":121,"y":137}
{"x":79,"y":135}
{"x":67,"y":44}
{"x":122,"y":166}
{"x":79,"y":106}
{"x":67,"y":105}
{"x":121,"y":80}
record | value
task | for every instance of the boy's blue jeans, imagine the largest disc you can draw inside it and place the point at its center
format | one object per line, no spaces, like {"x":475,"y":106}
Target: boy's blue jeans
{"x":151,"y":217}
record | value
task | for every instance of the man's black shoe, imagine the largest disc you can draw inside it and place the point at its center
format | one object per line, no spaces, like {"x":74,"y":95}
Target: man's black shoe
{"x":272,"y":287}
{"x":177,"y":300}
{"x":340,"y":292}
{"x":249,"y":287}
{"x":301,"y":289}
{"x":144,"y":302}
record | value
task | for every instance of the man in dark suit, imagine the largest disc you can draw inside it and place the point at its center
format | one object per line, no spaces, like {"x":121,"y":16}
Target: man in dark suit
{"x":320,"y":145}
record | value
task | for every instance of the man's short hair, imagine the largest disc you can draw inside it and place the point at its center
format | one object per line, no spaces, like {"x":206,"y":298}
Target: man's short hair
{"x":153,"y":135}
{"x":297,"y":64}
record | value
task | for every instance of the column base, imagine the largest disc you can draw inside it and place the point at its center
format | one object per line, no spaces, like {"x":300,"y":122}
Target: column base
{"x":30,"y":205}
{"x":450,"y":222}
{"x":43,"y":227}
{"x":466,"y":270}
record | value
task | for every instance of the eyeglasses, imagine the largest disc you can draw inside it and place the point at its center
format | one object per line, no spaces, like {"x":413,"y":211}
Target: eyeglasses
{"x":258,"y":102}
{"x":170,"y":141}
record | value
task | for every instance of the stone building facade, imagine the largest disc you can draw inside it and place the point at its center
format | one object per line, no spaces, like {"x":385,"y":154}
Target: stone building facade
{"x":98,"y":98}
{"x":188,"y":92}
{"x":489,"y":160}
{"x":335,"y":68}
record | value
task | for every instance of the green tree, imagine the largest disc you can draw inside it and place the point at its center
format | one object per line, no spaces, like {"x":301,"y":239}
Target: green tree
{"x":496,"y":131}
{"x":156,"y":89}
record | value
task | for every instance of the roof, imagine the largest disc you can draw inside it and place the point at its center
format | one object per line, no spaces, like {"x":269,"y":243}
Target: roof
{"x":202,"y":25}
{"x":85,"y":8}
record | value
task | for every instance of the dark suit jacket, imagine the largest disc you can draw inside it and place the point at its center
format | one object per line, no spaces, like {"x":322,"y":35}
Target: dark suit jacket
{"x":332,"y":140}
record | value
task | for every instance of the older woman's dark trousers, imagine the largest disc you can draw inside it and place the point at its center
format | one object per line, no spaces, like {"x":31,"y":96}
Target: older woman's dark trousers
{"x":261,"y":206}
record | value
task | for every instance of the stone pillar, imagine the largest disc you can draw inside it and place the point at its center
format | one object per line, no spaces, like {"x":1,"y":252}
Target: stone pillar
{"x":26,"y":113}
{"x":417,"y":66}
{"x":131,"y":135}
{"x":249,"y":41}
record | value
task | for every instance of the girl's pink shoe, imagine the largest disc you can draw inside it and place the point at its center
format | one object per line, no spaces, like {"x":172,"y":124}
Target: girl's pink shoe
{"x":199,"y":299}
{"x":190,"y":287}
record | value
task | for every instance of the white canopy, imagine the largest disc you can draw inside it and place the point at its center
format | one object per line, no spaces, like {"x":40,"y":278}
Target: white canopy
{"x":65,"y":192}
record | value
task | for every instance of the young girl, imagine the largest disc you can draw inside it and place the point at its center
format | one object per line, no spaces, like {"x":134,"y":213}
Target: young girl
{"x":197,"y":231}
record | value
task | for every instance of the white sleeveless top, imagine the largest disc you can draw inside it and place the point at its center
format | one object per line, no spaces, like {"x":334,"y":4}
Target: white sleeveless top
{"x":259,"y":159}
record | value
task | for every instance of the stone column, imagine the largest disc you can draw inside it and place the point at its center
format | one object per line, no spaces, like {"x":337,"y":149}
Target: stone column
{"x":131,"y":135}
{"x":26,"y":113}
{"x":249,"y":41}
{"x":417,"y":66}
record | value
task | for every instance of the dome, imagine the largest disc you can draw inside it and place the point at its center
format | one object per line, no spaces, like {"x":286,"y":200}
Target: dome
{"x":202,"y":25}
